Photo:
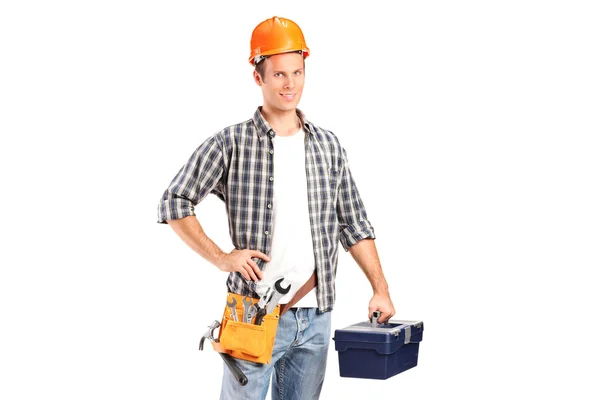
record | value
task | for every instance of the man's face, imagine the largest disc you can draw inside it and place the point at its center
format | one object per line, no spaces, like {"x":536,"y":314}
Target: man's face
{"x":283,"y":81}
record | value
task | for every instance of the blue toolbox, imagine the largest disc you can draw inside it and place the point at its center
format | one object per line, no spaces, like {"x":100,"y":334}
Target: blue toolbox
{"x":378,"y":351}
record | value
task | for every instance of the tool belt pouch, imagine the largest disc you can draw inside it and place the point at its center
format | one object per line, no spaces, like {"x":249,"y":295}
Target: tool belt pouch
{"x":247,"y":341}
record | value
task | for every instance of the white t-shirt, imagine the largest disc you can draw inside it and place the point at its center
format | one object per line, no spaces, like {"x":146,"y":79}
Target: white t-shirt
{"x":292,"y":255}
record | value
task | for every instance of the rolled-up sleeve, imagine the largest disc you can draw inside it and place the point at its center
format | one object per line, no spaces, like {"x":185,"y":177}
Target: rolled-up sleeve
{"x":200,"y":176}
{"x":351,"y":213}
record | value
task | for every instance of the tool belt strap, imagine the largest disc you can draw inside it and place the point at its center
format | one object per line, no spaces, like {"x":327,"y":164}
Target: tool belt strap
{"x":307,"y":287}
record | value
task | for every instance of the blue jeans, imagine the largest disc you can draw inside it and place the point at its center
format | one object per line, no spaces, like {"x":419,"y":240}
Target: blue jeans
{"x":299,"y":361}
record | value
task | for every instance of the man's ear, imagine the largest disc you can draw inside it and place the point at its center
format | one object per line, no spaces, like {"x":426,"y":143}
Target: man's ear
{"x":257,"y":78}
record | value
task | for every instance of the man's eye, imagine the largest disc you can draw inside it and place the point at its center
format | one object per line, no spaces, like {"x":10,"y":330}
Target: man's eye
{"x":278,"y":74}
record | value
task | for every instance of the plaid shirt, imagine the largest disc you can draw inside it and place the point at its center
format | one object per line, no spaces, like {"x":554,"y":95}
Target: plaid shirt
{"x":236,"y":164}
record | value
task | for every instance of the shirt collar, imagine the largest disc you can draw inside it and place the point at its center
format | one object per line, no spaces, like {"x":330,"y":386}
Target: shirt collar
{"x":263,"y":127}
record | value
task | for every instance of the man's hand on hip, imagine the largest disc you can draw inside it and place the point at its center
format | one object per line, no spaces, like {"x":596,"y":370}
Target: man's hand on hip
{"x":241,"y":261}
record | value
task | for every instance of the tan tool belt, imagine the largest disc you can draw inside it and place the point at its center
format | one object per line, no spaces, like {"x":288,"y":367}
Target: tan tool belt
{"x":248,"y":341}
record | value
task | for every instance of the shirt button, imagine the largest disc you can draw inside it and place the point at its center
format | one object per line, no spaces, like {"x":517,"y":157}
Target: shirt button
{"x":266,"y":232}
{"x":271,"y":178}
{"x":269,"y":205}
{"x":271,"y":151}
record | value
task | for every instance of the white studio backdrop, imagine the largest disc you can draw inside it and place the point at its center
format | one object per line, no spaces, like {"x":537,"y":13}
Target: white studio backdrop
{"x":472,"y":133}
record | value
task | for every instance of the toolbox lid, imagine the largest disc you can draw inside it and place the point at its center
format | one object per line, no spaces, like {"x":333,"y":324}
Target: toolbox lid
{"x":393,"y":331}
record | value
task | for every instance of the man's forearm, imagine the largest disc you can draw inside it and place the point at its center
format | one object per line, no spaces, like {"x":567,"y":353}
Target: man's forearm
{"x":191,"y":232}
{"x":365,"y":254}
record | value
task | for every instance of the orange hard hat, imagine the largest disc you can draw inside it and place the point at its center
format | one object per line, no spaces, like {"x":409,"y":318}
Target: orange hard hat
{"x":276,"y":35}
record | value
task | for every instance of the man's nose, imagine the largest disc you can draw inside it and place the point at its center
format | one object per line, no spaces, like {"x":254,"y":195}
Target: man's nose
{"x":290,"y":83}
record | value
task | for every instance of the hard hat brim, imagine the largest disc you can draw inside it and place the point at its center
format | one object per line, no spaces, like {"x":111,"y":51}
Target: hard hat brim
{"x":305,"y":53}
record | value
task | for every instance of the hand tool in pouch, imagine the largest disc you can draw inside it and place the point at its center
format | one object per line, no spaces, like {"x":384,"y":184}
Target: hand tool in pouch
{"x":279,"y":293}
{"x":249,"y":310}
{"x":261,"y":306}
{"x":229,"y":361}
{"x":232,"y":307}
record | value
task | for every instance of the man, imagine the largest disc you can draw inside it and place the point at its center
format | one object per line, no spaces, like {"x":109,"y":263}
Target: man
{"x":290,"y":199}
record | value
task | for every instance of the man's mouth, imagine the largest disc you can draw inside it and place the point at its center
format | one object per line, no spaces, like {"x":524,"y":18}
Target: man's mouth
{"x":288,"y":96}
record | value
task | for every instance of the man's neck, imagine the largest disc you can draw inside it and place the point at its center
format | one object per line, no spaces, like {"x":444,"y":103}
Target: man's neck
{"x":284,"y":123}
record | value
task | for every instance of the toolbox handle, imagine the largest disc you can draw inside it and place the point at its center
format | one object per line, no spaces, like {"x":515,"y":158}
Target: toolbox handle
{"x":374,"y":317}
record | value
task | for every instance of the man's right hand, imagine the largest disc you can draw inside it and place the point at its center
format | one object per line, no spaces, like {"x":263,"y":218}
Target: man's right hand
{"x":241,"y":261}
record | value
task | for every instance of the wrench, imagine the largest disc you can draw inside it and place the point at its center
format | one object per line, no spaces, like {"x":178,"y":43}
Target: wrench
{"x":279,"y":293}
{"x":232,"y":307}
{"x":249,"y":310}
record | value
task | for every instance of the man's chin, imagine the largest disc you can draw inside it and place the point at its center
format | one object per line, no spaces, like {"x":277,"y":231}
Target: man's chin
{"x":289,"y":106}
{"x":284,"y":106}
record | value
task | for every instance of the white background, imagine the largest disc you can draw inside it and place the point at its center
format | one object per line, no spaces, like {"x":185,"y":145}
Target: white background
{"x":472,"y":132}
